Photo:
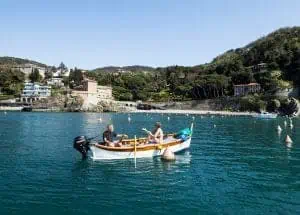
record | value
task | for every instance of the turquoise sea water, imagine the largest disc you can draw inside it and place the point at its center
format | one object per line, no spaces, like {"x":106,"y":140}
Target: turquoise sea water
{"x":241,"y":166}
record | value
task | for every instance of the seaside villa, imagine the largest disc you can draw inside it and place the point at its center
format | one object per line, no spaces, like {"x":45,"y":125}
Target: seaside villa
{"x":92,"y":93}
{"x":245,"y":89}
{"x":34,"y":92}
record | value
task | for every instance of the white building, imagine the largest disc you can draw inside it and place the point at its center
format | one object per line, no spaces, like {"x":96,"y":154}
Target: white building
{"x":245,"y":89}
{"x":61,"y":73}
{"x":34,"y":92}
{"x":55,"y":82}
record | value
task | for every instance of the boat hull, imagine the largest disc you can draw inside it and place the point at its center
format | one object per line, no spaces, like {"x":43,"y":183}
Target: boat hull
{"x":150,"y":150}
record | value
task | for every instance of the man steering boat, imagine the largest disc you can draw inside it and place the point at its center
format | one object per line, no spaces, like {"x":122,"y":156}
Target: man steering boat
{"x":109,"y":135}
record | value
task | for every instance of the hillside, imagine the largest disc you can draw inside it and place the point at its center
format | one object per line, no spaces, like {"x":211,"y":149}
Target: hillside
{"x":134,"y":68}
{"x":13,"y":61}
{"x":279,"y":51}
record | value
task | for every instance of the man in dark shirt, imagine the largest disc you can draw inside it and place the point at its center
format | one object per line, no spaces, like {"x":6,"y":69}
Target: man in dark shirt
{"x":109,"y":135}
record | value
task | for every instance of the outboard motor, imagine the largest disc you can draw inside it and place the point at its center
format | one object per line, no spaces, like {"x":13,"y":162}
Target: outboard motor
{"x":81,"y":144}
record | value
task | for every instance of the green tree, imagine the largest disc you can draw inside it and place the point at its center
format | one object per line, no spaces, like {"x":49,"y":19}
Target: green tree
{"x":35,"y":76}
{"x":11,"y":81}
{"x":75,"y":78}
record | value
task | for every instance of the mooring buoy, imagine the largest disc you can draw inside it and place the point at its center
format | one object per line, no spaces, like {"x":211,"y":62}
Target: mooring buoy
{"x":279,"y":129}
{"x":288,"y":139}
{"x":168,"y":155}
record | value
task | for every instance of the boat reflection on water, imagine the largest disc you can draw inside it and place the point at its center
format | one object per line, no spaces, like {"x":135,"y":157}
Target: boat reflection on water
{"x":143,"y":165}
{"x":289,"y":145}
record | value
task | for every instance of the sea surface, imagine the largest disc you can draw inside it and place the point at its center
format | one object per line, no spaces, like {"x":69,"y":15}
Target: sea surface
{"x":236,"y":165}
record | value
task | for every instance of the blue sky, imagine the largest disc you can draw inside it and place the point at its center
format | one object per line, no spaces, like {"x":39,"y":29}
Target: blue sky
{"x":90,"y":34}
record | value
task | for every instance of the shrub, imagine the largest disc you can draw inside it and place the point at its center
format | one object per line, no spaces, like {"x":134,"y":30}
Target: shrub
{"x":252,"y":103}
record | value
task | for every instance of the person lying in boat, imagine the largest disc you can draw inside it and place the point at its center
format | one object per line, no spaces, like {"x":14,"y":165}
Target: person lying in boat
{"x":109,"y":135}
{"x":156,"y":136}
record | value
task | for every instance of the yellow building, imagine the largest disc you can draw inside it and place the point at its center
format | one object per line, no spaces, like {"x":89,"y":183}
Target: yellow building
{"x":92,"y":93}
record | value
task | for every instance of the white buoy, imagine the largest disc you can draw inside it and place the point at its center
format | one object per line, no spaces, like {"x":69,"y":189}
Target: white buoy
{"x":168,"y":118}
{"x":129,"y":119}
{"x":168,"y":155}
{"x":215,"y":126}
{"x":193,"y":118}
{"x":100,"y":119}
{"x":285,"y":123}
{"x":5,"y":112}
{"x":288,"y":139}
{"x":187,"y":114}
{"x":279,"y":129}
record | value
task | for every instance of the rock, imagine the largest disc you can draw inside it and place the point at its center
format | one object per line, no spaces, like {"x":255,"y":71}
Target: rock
{"x":168,"y":155}
{"x":291,"y":107}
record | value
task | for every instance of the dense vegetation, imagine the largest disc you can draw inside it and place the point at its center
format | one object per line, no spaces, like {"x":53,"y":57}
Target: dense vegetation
{"x":75,"y":78}
{"x":11,"y":82}
{"x":280,"y":51}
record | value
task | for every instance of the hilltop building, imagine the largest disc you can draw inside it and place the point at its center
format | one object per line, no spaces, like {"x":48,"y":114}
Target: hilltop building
{"x":92,"y":93}
{"x":34,"y":92}
{"x":61,"y":73}
{"x":245,"y":89}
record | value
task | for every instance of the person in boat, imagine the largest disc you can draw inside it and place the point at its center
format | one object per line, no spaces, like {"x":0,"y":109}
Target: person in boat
{"x":156,"y":136}
{"x":109,"y":135}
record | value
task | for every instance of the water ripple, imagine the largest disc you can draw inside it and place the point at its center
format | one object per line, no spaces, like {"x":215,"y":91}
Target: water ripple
{"x":240,"y":166}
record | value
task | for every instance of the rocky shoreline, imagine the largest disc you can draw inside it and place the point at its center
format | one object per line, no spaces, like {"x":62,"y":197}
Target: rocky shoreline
{"x":73,"y":104}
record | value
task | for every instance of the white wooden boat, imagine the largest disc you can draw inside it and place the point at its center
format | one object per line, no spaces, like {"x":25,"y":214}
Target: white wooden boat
{"x":133,"y":148}
{"x":142,"y":149}
{"x":265,"y":115}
